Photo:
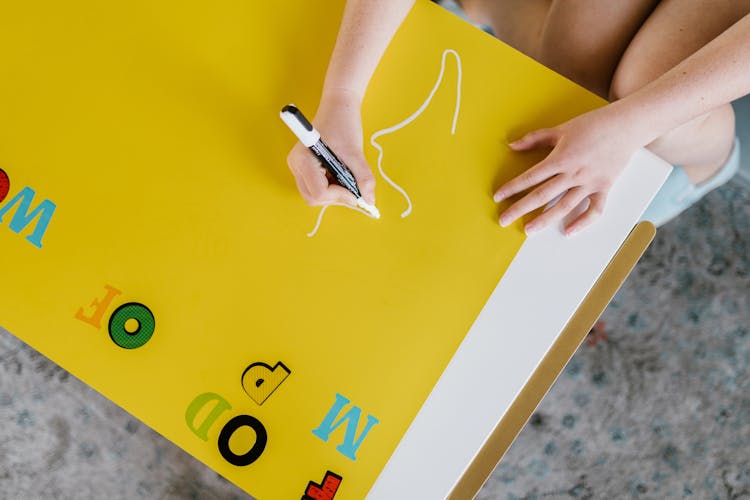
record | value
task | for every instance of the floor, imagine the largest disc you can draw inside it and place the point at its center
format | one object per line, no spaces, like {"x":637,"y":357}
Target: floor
{"x":656,"y":402}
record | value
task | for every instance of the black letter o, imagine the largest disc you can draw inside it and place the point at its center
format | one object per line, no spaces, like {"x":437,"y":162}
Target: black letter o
{"x":261,"y":438}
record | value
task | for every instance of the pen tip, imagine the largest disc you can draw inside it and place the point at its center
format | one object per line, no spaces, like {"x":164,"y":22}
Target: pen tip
{"x":371,"y":209}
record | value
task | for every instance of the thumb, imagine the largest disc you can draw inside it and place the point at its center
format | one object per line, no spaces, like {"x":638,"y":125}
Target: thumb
{"x":532,"y":140}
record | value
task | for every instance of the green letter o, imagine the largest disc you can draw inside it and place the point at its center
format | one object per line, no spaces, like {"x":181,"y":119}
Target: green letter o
{"x":135,"y":339}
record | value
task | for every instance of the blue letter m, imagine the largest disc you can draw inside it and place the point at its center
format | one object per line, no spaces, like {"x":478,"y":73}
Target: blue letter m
{"x":23,"y":218}
{"x":351,"y":441}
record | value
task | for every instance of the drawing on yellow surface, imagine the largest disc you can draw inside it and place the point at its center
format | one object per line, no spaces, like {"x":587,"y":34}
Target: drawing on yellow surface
{"x":322,"y":212}
{"x":389,"y":130}
{"x":153,"y":238}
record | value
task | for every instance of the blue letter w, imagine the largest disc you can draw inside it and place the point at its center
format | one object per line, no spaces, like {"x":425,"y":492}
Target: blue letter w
{"x":23,"y":218}
{"x":351,"y":441}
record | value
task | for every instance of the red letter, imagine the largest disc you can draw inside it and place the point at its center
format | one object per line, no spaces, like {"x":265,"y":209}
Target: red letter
{"x":324,"y":491}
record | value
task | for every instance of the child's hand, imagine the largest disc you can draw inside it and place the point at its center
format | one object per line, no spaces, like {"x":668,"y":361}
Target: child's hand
{"x":588,"y":154}
{"x":340,"y":124}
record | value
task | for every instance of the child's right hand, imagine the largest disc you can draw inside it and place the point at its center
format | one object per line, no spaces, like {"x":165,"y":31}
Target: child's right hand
{"x":339,"y":122}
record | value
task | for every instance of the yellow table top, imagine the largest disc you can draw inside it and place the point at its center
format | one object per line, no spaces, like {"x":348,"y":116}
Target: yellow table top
{"x":156,"y":247}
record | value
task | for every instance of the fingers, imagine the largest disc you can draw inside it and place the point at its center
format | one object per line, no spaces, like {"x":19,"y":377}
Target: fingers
{"x":313,"y":184}
{"x":302,"y":187}
{"x":536,"y":198}
{"x":365,"y":179}
{"x":596,"y":208}
{"x":309,"y":176}
{"x":568,"y":202}
{"x":538,"y":138}
{"x":541,"y":171}
{"x":533,"y":176}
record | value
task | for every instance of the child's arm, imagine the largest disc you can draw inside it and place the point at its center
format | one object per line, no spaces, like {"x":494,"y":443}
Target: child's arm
{"x":591,"y":150}
{"x":366,"y":30}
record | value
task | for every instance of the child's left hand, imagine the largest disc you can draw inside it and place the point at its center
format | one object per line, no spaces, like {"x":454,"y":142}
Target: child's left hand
{"x":588,"y":153}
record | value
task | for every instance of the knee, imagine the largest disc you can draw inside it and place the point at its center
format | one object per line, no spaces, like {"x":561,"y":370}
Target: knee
{"x":630,"y":75}
{"x":573,"y":56}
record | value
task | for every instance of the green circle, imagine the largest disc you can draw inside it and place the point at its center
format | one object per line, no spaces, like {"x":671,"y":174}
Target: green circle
{"x":146,"y":325}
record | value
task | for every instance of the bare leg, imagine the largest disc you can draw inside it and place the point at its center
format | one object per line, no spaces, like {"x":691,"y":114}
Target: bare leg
{"x":582,"y":40}
{"x":585,"y":39}
{"x":675,"y":30}
{"x":518,"y":23}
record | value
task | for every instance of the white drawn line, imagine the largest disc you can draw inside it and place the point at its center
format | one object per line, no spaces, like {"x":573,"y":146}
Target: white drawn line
{"x":402,"y":124}
{"x":399,"y":126}
{"x":323,"y":210}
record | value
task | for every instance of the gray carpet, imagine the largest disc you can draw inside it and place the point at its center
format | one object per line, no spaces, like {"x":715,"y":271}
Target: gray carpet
{"x":657,"y":403}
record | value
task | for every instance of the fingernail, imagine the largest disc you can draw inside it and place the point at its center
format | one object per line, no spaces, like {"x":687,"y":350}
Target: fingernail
{"x":498,"y":197}
{"x":571,"y":232}
{"x":530,"y":229}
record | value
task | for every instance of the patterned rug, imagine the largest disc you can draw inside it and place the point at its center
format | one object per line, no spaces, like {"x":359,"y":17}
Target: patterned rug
{"x":656,"y":402}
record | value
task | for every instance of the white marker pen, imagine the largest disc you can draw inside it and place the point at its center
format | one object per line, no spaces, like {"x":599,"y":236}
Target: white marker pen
{"x":310,"y":137}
